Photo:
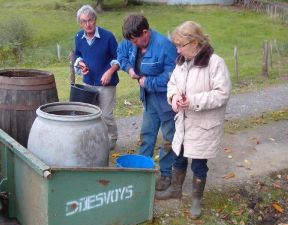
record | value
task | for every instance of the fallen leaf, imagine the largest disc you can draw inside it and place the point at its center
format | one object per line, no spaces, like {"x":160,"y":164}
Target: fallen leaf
{"x":254,"y":139}
{"x":237,"y":212}
{"x":239,"y":165}
{"x":156,"y":158}
{"x":131,"y":151}
{"x":276,"y":185}
{"x":115,"y":155}
{"x":247,"y":162}
{"x":227,"y":150}
{"x":127,"y":102}
{"x":198,"y":222}
{"x":224,"y":216}
{"x":278,"y":208}
{"x":229,"y":175}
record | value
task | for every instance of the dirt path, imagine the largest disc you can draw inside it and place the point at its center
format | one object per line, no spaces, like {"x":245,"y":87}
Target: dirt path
{"x":245,"y":154}
{"x":239,"y":106}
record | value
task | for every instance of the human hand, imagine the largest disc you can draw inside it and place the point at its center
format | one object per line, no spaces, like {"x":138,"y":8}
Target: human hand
{"x":183,"y":102}
{"x":175,"y":100}
{"x":83,"y":67}
{"x":132,"y":74}
{"x":142,"y":82}
{"x":105,"y":79}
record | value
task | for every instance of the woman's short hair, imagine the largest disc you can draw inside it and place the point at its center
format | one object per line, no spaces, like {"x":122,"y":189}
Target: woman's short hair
{"x":86,"y":10}
{"x":189,"y":31}
{"x":133,"y":26}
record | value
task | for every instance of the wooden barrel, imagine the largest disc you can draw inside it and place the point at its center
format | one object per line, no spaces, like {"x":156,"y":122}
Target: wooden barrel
{"x":22,"y":91}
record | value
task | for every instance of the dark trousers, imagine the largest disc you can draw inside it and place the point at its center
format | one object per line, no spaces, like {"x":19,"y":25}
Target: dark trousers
{"x":198,"y":166}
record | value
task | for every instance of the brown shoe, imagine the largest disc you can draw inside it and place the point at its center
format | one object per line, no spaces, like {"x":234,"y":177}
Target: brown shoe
{"x":162,"y":183}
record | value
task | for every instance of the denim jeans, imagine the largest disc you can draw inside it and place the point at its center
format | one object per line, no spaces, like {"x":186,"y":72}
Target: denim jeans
{"x":149,"y":132}
{"x":198,"y":166}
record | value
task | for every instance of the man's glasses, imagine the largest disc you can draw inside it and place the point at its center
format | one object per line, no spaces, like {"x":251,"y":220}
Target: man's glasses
{"x":90,"y":21}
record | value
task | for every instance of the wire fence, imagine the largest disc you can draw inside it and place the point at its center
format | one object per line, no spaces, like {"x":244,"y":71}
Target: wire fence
{"x":273,"y":9}
{"x":271,"y":60}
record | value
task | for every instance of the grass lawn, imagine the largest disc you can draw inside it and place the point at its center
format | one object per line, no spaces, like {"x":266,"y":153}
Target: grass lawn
{"x":53,"y":22}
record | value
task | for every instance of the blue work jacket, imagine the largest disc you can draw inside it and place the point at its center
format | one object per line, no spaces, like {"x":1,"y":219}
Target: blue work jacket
{"x":157,"y":64}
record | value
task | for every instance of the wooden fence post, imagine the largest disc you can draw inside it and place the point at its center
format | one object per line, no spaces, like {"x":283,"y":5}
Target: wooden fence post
{"x":236,"y":63}
{"x":58,"y":52}
{"x":270,"y":54}
{"x":265,"y":59}
{"x":72,"y":71}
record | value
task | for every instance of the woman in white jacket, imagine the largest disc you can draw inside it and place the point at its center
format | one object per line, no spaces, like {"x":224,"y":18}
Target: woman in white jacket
{"x":198,"y":90}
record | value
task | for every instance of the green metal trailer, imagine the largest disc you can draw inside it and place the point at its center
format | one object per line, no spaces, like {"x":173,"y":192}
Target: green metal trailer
{"x":37,"y":194}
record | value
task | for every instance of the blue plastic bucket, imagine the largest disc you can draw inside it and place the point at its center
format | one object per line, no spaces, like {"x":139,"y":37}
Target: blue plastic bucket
{"x":135,"y":161}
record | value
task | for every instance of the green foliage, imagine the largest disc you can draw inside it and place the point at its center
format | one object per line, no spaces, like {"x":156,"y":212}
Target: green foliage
{"x":53,"y":22}
{"x":15,"y":35}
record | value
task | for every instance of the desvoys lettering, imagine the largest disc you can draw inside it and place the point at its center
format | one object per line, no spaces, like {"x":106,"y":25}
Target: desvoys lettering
{"x":97,"y":200}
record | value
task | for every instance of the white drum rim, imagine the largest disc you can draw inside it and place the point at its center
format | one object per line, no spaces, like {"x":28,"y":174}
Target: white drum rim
{"x":44,"y":111}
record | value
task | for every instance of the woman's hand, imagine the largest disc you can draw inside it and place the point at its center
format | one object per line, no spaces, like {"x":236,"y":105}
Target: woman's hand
{"x":183,"y":102}
{"x":175,"y":100}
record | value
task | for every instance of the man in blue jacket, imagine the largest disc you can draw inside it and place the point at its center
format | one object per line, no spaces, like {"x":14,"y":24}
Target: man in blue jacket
{"x":96,"y":60}
{"x":149,"y":57}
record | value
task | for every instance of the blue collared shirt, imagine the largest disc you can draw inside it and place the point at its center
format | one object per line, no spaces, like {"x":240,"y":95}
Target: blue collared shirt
{"x":90,"y":41}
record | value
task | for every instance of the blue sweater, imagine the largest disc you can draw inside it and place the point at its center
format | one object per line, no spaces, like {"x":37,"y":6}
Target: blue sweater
{"x":157,"y":65}
{"x":97,"y":56}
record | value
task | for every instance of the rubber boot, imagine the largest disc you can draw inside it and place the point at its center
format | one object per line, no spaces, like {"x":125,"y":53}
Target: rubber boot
{"x":163,"y":183}
{"x":175,"y":189}
{"x":197,"y":195}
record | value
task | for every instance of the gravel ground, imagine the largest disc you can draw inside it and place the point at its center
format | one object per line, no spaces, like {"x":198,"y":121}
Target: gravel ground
{"x":251,"y":153}
{"x":239,"y":106}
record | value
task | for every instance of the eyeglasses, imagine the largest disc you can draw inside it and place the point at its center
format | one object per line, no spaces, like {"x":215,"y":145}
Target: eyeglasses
{"x":89,"y":21}
{"x":182,"y":46}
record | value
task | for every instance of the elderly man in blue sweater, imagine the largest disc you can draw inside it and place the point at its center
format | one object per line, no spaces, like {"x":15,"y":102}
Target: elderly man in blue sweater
{"x":149,"y":57}
{"x":96,"y":60}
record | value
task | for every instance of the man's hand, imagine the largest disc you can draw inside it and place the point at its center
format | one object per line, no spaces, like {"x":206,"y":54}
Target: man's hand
{"x":105,"y":79}
{"x":142,"y":82}
{"x":83,"y":67}
{"x":132,"y":74}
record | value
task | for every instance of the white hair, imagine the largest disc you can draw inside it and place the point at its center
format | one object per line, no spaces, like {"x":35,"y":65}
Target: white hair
{"x":86,"y":10}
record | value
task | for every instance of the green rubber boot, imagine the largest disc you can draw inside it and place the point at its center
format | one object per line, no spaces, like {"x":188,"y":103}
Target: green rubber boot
{"x":175,"y":189}
{"x":197,"y":195}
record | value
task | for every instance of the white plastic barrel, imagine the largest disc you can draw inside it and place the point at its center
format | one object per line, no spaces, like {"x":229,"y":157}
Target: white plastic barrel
{"x":69,"y":134}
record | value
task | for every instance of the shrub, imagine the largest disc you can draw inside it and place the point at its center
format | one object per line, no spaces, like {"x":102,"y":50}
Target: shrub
{"x":14,"y":36}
